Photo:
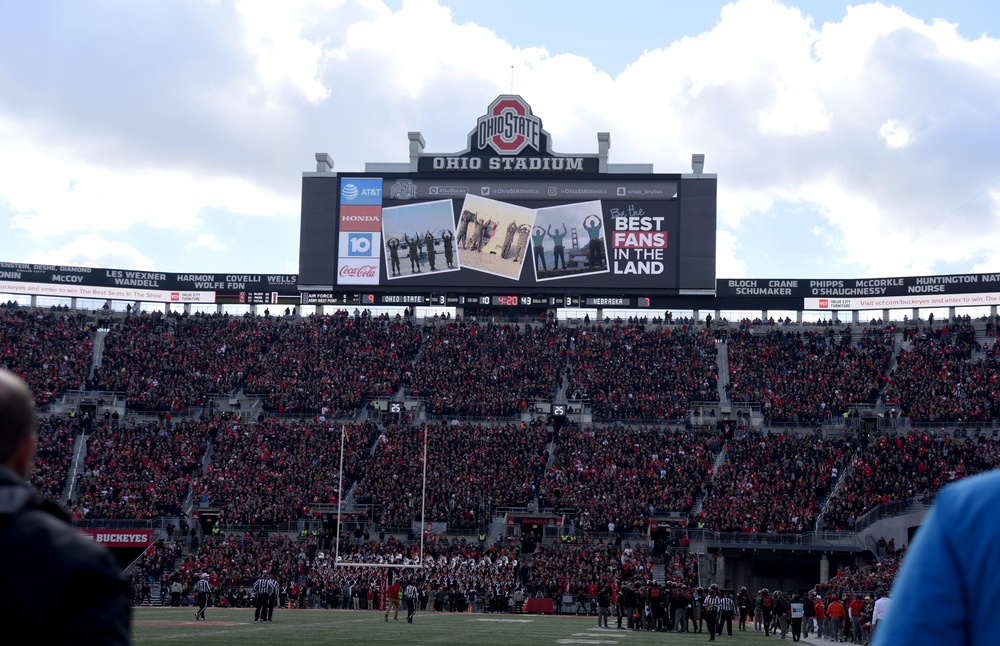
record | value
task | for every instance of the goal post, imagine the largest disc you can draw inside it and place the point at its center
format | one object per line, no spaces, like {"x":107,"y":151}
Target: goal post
{"x":382,"y":568}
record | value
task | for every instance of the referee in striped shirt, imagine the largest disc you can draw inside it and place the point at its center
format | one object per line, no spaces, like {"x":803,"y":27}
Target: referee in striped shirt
{"x":203,"y":588}
{"x":728,"y":607}
{"x":260,"y":589}
{"x":271,"y":590}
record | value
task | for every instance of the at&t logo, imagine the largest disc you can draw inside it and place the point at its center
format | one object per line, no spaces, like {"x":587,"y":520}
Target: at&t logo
{"x":361,"y":190}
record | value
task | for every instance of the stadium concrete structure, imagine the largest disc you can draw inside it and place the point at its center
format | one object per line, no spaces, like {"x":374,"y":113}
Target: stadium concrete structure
{"x":638,"y":244}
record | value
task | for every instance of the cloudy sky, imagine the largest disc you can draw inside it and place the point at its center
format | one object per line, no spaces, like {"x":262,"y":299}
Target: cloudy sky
{"x":849,"y":141}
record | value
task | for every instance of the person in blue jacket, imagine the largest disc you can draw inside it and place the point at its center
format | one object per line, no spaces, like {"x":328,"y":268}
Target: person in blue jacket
{"x":947,"y":588}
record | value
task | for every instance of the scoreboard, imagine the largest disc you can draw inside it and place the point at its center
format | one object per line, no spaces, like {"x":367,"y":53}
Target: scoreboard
{"x":506,"y":223}
{"x":498,"y":299}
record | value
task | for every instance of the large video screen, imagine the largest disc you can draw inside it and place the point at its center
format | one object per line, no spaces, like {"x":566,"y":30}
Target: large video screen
{"x":649,"y":232}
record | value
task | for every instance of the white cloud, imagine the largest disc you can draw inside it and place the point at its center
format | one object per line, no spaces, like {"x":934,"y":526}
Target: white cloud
{"x":91,"y":250}
{"x":57,"y":190}
{"x":284,"y":56}
{"x":880,"y":123}
{"x":206,"y":241}
{"x":894,"y":134}
{"x":727,"y":261}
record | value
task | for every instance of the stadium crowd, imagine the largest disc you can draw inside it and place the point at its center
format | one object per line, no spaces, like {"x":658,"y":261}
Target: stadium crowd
{"x":616,"y":477}
{"x":763,"y":469}
{"x":139,"y":470}
{"x":945,"y":375}
{"x":51,"y":351}
{"x":273,"y":471}
{"x":468,"y":369}
{"x":631,"y":372}
{"x":471,"y":468}
{"x":333,"y":363}
{"x":808,"y":376}
{"x":904,"y":466}
{"x":610,"y":478}
{"x":56,"y":439}
{"x":169,"y":363}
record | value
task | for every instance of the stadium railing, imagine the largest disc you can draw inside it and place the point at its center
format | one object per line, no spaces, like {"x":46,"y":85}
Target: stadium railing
{"x":807,"y":539}
{"x":890,"y":509}
{"x":122,"y":523}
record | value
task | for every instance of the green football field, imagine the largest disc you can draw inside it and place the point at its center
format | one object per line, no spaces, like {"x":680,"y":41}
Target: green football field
{"x":304,"y":627}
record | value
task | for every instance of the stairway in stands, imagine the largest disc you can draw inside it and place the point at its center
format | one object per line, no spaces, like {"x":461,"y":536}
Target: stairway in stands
{"x":842,"y":477}
{"x":79,"y":453}
{"x":722,"y":361}
{"x":699,"y":501}
{"x":98,"y":355}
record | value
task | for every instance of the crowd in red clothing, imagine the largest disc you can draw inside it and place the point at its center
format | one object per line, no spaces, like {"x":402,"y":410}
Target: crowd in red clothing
{"x":51,"y":351}
{"x":239,"y":559}
{"x":773,"y":482}
{"x":471,"y":468}
{"x":808,"y":376}
{"x":333,"y":362}
{"x":681,"y":567}
{"x":943,"y":374}
{"x":572,"y":567}
{"x":880,"y":575}
{"x":468,"y":369}
{"x":631,"y":372}
{"x":168,"y":363}
{"x":139,"y":470}
{"x":274,"y":471}
{"x":56,"y":437}
{"x":900,"y":467}
{"x":616,"y":477}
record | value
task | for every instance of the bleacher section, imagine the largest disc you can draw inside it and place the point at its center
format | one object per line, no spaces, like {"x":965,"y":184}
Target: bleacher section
{"x":898,"y":413}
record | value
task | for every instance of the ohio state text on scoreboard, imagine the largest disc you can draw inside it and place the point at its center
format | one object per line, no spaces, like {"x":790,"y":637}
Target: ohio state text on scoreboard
{"x":506,"y":215}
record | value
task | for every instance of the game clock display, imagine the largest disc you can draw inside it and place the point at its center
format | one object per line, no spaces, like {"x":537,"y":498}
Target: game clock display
{"x":507,"y":300}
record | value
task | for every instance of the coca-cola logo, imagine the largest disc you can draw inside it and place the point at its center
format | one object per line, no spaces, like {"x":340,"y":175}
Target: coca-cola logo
{"x":361,"y":271}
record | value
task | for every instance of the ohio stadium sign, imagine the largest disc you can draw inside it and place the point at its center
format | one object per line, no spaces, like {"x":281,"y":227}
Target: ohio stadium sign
{"x":509,"y":138}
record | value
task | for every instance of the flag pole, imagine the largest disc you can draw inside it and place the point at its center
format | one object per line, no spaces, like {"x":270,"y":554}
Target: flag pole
{"x":340,"y":490}
{"x":423,"y":499}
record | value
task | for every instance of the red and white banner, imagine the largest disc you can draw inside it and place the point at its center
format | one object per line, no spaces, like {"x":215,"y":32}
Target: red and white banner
{"x":357,"y":271}
{"x":360,"y":218}
{"x":430,"y":528}
{"x":104,"y":293}
{"x":120,"y":537}
{"x":902,"y":302}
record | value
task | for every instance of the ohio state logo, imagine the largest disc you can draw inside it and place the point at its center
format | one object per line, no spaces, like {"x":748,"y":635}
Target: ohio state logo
{"x":509,"y":127}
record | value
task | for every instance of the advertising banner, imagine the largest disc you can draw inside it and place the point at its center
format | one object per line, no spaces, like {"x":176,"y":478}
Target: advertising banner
{"x":161,"y":287}
{"x":120,"y":537}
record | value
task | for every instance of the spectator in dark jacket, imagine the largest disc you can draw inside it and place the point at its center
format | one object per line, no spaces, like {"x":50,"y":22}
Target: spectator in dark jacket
{"x":46,"y":568}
